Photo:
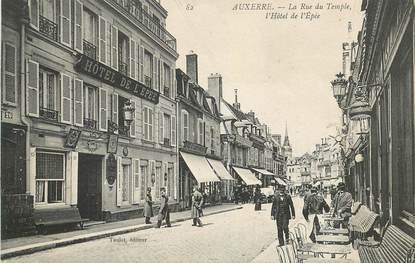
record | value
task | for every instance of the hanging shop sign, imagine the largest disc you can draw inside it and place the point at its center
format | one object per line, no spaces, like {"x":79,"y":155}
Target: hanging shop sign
{"x":112,"y":77}
{"x":72,"y":138}
{"x":111,"y":169}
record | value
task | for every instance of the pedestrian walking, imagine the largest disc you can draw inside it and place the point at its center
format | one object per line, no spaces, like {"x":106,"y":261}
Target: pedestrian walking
{"x":164,"y":213}
{"x":282,"y":211}
{"x":257,"y":198}
{"x":148,"y":206}
{"x":343,"y":203}
{"x":313,"y":206}
{"x":197,"y":202}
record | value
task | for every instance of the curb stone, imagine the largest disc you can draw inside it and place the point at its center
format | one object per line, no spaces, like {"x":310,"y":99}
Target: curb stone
{"x":29,"y":249}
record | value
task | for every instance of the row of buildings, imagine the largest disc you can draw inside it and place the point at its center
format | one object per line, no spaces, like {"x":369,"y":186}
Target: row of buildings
{"x":377,"y":100}
{"x":94,"y":112}
{"x":322,"y":168}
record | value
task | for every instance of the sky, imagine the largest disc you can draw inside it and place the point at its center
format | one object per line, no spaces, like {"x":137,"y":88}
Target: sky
{"x":282,"y":68}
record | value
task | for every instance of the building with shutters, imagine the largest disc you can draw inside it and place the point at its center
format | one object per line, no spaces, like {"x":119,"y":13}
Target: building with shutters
{"x":79,"y":66}
{"x":200,"y":159}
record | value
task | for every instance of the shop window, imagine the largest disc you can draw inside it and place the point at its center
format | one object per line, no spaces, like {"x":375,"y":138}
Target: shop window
{"x":50,"y":177}
{"x":158,"y":180}
{"x":47,"y":94}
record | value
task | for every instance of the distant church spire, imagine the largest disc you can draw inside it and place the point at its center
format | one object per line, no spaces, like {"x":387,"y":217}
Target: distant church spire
{"x":286,"y":139}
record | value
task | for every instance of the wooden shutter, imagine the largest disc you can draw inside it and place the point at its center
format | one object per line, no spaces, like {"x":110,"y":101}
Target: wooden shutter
{"x":115,"y":108}
{"x":141,"y":60}
{"x":32,"y":172}
{"x":151,"y":122}
{"x":114,"y":47}
{"x":137,"y":61}
{"x":145,"y":129}
{"x":103,"y":105}
{"x":65,"y":25}
{"x":119,"y":181}
{"x":159,"y":84}
{"x":173,"y":131}
{"x":136,"y":181}
{"x":175,"y":180}
{"x":32,"y":92}
{"x":34,"y":13}
{"x":66,"y":99}
{"x":161,"y":127}
{"x":78,"y":103}
{"x":161,"y":77}
{"x":133,"y":123}
{"x":78,"y":30}
{"x":74,"y":177}
{"x":102,"y":40}
{"x":9,"y":74}
{"x":154,"y":73}
{"x":173,"y":81}
{"x":108,"y":43}
{"x":132,"y":67}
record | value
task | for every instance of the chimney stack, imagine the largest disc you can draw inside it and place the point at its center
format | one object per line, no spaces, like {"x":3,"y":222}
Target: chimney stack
{"x":192,"y":67}
{"x":215,"y":88}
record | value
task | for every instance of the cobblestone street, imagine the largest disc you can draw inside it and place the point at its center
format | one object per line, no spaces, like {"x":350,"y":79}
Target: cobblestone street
{"x":237,"y":236}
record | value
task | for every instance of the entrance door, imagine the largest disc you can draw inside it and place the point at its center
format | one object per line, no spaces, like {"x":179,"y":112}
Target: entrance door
{"x":89,"y":186}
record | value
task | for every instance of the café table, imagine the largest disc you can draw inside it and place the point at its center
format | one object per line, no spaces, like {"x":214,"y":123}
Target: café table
{"x":333,"y":250}
{"x":332,"y":239}
{"x":334,"y":231}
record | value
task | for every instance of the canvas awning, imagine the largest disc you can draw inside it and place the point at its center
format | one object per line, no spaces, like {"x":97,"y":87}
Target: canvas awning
{"x":247,"y":176}
{"x":280,"y":181}
{"x":220,"y":169}
{"x":200,"y":168}
{"x":262,"y":171}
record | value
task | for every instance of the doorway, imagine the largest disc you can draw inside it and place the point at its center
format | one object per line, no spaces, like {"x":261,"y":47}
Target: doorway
{"x":89,"y":186}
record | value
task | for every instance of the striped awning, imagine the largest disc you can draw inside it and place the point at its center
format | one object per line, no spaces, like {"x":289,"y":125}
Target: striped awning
{"x":200,"y":168}
{"x":247,"y":176}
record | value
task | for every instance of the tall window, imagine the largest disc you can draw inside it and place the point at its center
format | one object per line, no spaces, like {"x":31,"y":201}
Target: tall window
{"x":90,"y":35}
{"x":47,"y":89}
{"x":148,"y":124}
{"x":123,"y":53}
{"x":159,"y":180}
{"x":148,"y":69}
{"x":50,"y":177}
{"x":212,"y":139}
{"x":90,"y":107}
{"x":9,"y":73}
{"x":185,"y":121}
{"x":167,"y":80}
{"x":167,"y":127}
{"x":170,"y":180}
{"x":47,"y":9}
{"x":200,"y":131}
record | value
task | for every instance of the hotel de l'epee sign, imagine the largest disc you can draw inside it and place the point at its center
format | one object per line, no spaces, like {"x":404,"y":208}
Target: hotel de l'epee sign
{"x":112,"y":77}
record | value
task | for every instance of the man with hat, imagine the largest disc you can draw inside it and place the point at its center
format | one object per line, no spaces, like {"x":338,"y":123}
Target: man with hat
{"x":148,"y":206}
{"x":282,"y":211}
{"x":343,"y":203}
{"x":314,"y":205}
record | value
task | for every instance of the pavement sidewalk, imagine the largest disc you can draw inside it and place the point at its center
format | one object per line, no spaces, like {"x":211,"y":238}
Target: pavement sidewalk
{"x":27,"y":245}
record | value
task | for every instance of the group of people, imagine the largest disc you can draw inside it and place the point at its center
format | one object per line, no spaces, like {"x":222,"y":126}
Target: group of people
{"x":164,"y":212}
{"x":283,"y":209}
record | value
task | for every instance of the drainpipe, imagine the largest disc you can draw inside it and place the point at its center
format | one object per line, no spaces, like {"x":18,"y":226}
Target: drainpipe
{"x":24,"y":119}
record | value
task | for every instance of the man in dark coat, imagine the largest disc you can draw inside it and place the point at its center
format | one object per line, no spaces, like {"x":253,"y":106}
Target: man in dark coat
{"x":257,"y":198}
{"x":343,"y":203}
{"x":164,"y":213}
{"x":197,"y":203}
{"x":282,"y":211}
{"x":148,"y":206}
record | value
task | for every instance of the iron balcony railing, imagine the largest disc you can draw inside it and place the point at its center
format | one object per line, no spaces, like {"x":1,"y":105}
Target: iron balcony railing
{"x":48,"y":114}
{"x":147,"y":82}
{"x":134,"y":9}
{"x":48,"y":28}
{"x":90,"y":50}
{"x":123,"y":68}
{"x":90,"y":124}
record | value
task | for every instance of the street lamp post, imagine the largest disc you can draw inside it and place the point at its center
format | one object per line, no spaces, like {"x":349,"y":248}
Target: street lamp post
{"x":339,"y":86}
